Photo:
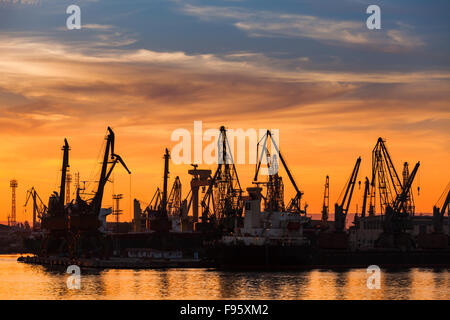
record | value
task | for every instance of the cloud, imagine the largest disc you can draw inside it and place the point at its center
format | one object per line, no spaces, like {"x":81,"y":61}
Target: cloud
{"x":50,"y":90}
{"x":273,"y":24}
{"x":47,"y":86}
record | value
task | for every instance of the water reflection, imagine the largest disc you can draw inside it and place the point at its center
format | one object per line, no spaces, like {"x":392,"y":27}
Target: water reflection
{"x":22,"y":281}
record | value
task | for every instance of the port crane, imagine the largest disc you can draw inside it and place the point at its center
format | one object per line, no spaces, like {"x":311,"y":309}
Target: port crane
{"x":174,"y":200}
{"x":326,"y":204}
{"x":55,"y":222}
{"x":396,"y":216}
{"x":409,"y":205}
{"x":366,"y":194}
{"x":155,"y":202}
{"x":274,"y":199}
{"x":39,"y":208}
{"x":84,"y":214}
{"x":294,"y":204}
{"x":439,"y":211}
{"x":389,"y":184}
{"x":96,"y":202}
{"x":341,"y":208}
{"x":56,"y":218}
{"x":395,"y":197}
{"x":222,"y":202}
{"x":164,"y":204}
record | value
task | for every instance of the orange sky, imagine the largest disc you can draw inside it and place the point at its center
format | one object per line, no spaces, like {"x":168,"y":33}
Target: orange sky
{"x":50,"y":91}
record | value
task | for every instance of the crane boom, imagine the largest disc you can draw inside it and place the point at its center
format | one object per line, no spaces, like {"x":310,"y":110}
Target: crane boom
{"x":401,"y":198}
{"x":438,"y":213}
{"x":341,"y":210}
{"x":105,"y":173}
{"x":294,"y":204}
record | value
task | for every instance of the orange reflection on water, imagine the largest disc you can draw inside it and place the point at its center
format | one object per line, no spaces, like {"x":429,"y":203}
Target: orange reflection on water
{"x":22,"y":281}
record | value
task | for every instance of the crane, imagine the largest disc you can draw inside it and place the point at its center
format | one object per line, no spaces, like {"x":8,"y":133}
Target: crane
{"x":39,"y":208}
{"x":396,"y":215}
{"x":326,"y":204}
{"x":165,"y":183}
{"x":274,"y":199}
{"x":409,"y":201}
{"x":96,"y":203}
{"x":294,"y":204}
{"x":341,"y":209}
{"x":222,"y":202}
{"x":174,"y":200}
{"x":366,"y":194}
{"x":55,"y":222}
{"x":438,"y":213}
{"x":56,"y":218}
{"x":155,"y":202}
{"x":383,"y":171}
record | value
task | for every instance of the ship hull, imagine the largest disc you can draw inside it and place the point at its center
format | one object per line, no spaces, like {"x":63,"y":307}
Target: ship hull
{"x":301,"y":258}
{"x":263,"y":257}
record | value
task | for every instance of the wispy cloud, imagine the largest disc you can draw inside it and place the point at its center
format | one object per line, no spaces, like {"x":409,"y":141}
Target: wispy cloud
{"x":50,"y":83}
{"x":273,"y":24}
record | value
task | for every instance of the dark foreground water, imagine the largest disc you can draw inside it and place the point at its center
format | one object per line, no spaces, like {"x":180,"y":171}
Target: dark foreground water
{"x":22,"y":281}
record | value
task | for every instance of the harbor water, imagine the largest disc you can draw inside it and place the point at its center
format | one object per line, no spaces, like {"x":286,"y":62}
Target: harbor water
{"x":25,"y":281}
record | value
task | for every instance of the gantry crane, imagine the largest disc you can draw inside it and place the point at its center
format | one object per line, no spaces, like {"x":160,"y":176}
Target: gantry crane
{"x":273,"y":179}
{"x":200,"y":178}
{"x":341,"y":208}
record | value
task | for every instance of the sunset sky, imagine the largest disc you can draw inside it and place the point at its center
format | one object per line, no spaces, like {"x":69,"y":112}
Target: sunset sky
{"x":308,"y":68}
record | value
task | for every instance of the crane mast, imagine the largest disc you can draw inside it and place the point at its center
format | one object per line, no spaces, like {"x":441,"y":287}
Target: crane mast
{"x":366,"y":194}
{"x":341,"y":209}
{"x":409,"y":206}
{"x":222,"y":202}
{"x":326,"y":203}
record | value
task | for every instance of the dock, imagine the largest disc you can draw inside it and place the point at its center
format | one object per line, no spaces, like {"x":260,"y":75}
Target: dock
{"x":117,"y":263}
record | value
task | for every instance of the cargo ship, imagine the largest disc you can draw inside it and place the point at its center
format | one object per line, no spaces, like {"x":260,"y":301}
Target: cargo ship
{"x":273,"y":239}
{"x":395,"y":238}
